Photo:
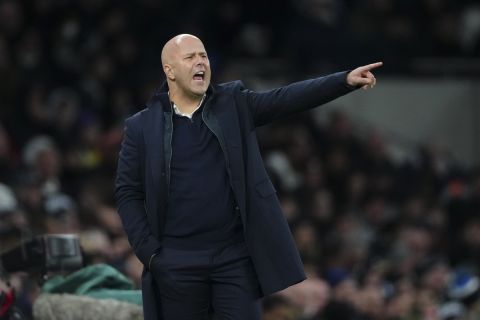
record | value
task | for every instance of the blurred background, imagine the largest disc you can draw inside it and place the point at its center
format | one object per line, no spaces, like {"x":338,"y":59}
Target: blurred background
{"x":381,"y":188}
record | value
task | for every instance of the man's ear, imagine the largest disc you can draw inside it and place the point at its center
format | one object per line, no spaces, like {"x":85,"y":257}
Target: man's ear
{"x":168,"y":72}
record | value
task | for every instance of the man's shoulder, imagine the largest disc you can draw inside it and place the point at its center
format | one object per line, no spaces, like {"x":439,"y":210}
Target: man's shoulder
{"x":230,"y":86}
{"x":136,"y":118}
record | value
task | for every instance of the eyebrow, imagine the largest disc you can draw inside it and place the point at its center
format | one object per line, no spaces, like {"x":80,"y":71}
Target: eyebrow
{"x":193,"y":53}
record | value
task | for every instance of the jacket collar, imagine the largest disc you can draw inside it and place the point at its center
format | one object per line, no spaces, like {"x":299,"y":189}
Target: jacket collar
{"x":161,"y":95}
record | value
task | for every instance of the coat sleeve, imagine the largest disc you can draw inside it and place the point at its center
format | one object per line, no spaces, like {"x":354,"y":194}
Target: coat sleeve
{"x":130,"y":195}
{"x":299,"y":96}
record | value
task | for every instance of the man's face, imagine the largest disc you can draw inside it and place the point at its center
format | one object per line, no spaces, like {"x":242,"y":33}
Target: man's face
{"x":190,"y":67}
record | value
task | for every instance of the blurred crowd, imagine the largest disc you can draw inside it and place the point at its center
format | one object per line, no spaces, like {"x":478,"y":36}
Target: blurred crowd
{"x":380,"y":239}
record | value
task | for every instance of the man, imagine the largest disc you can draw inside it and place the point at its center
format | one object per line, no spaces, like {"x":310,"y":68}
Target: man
{"x":194,"y":197}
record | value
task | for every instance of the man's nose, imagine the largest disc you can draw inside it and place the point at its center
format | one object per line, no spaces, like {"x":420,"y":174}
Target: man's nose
{"x":199,"y":61}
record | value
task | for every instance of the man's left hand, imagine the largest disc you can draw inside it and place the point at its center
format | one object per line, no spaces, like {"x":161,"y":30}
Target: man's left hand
{"x":362,"y":76}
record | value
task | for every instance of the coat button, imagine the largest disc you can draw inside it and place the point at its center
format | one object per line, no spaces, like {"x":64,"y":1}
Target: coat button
{"x":163,"y":174}
{"x":237,"y":208}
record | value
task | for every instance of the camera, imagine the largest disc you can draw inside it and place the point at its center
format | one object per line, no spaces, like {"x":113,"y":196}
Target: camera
{"x":43,"y":254}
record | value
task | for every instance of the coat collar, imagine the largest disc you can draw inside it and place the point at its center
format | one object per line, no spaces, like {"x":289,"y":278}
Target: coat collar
{"x":161,"y":95}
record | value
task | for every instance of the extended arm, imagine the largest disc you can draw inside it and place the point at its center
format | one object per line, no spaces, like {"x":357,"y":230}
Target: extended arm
{"x":270,"y":105}
{"x":130,"y":197}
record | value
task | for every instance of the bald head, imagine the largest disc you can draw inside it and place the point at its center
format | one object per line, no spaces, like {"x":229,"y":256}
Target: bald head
{"x":173,"y":46}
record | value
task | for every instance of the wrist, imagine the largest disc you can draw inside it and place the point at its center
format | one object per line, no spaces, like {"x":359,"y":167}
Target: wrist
{"x":347,"y":82}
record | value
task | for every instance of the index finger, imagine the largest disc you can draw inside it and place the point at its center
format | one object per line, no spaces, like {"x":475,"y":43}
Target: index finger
{"x":372,"y":66}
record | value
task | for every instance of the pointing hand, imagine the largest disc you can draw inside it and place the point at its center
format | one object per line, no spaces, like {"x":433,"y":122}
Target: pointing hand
{"x":362,"y":76}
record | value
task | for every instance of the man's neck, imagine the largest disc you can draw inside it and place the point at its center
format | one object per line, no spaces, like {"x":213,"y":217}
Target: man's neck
{"x":186,"y":104}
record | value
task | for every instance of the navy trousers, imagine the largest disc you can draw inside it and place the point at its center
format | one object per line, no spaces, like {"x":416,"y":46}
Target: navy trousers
{"x":192,"y":284}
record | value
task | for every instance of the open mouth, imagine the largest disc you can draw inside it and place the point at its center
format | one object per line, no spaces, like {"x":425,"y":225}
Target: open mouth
{"x":200,"y":75}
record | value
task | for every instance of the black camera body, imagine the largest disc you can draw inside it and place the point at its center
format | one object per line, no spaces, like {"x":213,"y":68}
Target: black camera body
{"x":52,"y":252}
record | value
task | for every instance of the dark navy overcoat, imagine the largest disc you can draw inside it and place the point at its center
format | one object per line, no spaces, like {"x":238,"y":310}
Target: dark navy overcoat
{"x":232,"y":113}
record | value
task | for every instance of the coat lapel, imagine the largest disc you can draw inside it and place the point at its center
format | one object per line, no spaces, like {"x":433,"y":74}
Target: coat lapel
{"x":225,"y":121}
{"x":154,"y":134}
